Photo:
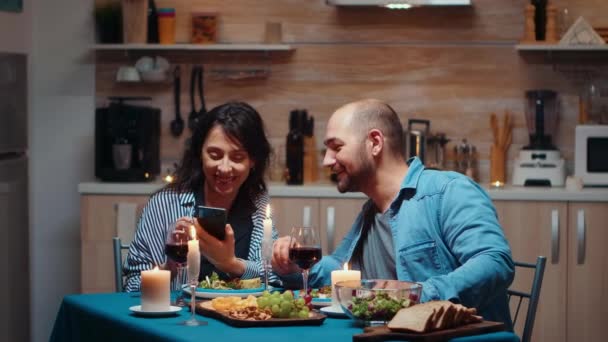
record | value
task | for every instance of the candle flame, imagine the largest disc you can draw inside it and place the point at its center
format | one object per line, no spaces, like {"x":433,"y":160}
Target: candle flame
{"x":268,"y":211}
{"x":346,"y":266}
{"x":192,"y":232}
{"x":155,"y":268}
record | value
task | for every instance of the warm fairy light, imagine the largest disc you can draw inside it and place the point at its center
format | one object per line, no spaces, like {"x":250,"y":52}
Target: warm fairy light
{"x":169,"y":179}
{"x":398,"y":6}
{"x":498,"y":184}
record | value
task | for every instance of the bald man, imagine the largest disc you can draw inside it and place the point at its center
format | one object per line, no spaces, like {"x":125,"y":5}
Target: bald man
{"x":437,"y":228}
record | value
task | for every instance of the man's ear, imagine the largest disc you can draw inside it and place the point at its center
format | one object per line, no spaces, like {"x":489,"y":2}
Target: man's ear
{"x":376,"y":139}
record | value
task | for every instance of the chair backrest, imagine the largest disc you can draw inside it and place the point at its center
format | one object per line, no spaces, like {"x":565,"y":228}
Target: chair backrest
{"x":118,"y":247}
{"x":532,"y":296}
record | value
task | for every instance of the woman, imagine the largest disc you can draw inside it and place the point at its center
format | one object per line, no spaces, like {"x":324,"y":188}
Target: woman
{"x":224,"y":167}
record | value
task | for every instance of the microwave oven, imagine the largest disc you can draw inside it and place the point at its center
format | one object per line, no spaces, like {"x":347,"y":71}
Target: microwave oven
{"x":591,"y":154}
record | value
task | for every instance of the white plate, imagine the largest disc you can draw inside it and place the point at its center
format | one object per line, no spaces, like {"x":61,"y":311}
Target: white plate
{"x":333,"y":311}
{"x":138,"y":311}
{"x":211,"y":293}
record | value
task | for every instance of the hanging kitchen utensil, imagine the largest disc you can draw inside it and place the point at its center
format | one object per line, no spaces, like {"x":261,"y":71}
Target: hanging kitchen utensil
{"x":193,"y":112}
{"x":177,"y":125}
{"x":201,"y":75}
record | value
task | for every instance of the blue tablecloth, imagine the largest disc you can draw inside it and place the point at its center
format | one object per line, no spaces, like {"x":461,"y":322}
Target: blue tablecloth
{"x":106,"y":317}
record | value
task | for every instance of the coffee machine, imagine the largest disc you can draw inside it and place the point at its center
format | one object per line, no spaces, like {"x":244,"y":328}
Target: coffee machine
{"x":127,"y":140}
{"x":540,"y":162}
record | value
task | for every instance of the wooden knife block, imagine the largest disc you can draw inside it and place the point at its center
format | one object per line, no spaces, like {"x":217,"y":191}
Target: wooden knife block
{"x":311,"y":166}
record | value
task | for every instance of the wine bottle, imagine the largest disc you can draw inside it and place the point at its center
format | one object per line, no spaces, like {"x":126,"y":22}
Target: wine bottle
{"x":294,"y":149}
{"x":152,"y":23}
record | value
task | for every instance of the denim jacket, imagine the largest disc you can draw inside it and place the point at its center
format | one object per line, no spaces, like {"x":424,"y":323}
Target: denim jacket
{"x":446,"y":236}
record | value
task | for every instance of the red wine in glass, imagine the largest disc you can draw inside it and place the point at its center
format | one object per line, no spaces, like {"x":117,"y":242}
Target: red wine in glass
{"x":305,"y":257}
{"x":304,"y":250}
{"x":177,"y":252}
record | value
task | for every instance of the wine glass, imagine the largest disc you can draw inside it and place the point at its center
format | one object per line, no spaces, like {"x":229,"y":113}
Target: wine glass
{"x":304,"y":250}
{"x":176,"y":249}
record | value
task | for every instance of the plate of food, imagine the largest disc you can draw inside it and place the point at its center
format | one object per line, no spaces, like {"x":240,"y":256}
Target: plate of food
{"x":265,"y":311}
{"x":213,"y":287}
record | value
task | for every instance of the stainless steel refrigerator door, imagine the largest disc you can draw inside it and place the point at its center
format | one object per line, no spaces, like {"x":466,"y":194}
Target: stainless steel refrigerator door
{"x":13,"y":103}
{"x":14,"y":246}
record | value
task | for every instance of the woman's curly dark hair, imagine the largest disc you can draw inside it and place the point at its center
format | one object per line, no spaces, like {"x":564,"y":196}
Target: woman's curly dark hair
{"x":242,"y":123}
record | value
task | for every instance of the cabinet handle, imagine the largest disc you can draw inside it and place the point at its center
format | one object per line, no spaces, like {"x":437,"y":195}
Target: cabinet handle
{"x":331,"y":229}
{"x":554,"y":236}
{"x":580,"y":237}
{"x":306,"y":216}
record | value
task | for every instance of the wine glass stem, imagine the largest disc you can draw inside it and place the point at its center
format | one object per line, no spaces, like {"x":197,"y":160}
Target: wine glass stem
{"x":192,"y":299}
{"x":266,"y":270}
{"x":179,"y":281}
{"x":305,"y":280}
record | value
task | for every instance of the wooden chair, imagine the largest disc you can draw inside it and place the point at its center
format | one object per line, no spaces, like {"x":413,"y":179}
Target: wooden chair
{"x":532,"y":296}
{"x":118,"y":248}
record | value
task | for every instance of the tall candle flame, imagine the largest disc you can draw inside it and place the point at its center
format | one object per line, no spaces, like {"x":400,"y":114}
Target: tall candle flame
{"x":155,"y":268}
{"x":268,"y":211}
{"x":346,"y":266}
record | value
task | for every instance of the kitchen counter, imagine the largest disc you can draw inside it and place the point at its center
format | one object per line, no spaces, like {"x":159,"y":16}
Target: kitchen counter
{"x":326,"y":190}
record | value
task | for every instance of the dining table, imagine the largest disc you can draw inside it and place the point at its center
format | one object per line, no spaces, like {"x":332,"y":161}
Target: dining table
{"x":107,"y":317}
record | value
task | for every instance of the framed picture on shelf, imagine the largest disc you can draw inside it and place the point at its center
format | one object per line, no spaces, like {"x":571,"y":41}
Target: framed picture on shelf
{"x":11,"y":5}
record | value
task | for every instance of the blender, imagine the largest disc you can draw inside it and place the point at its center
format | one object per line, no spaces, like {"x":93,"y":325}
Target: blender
{"x":540,"y":162}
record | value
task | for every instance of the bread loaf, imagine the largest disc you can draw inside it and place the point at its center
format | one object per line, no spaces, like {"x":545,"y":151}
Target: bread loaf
{"x":430,"y":316}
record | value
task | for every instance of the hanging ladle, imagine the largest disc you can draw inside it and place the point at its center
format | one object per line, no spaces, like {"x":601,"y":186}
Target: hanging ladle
{"x":177,"y":125}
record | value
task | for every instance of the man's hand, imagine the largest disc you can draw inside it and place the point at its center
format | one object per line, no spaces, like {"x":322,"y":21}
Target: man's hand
{"x":280,"y":257}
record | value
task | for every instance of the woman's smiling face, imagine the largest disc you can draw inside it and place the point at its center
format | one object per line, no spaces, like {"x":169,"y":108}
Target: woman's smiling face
{"x":226,"y":164}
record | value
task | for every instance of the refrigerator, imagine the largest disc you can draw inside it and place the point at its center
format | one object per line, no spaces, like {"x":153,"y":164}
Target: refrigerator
{"x":14,"y":223}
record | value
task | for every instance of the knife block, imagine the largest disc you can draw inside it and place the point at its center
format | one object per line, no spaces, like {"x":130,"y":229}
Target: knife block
{"x":311,"y":166}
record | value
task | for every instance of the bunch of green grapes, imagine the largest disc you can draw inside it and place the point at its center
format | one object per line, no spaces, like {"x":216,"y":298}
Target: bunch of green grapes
{"x":283,"y":305}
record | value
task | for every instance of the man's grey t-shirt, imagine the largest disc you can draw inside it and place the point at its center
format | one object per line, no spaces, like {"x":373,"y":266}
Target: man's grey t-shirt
{"x":375,"y":255}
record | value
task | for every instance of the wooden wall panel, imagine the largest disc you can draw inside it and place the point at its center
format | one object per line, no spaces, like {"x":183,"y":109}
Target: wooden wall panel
{"x":452,"y":66}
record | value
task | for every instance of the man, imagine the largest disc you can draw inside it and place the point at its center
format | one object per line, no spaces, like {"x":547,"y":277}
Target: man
{"x":433,"y":227}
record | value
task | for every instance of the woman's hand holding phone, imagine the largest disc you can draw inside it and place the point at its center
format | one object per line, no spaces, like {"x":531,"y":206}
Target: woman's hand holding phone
{"x":220,"y":252}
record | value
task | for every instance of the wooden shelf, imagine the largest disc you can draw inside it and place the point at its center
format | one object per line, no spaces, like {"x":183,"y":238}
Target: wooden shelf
{"x":555,"y":47}
{"x":193,"y":47}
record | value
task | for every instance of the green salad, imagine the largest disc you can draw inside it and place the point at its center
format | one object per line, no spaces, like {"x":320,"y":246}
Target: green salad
{"x":377,"y":307}
{"x":214,"y":282}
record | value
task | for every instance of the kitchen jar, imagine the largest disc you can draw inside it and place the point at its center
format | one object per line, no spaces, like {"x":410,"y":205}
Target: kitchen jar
{"x":166,"y":25}
{"x":204,"y":27}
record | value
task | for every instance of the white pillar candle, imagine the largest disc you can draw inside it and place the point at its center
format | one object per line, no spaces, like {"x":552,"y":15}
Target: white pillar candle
{"x":267,"y":242}
{"x":155,"y":290}
{"x":341,"y":275}
{"x":194,"y":257}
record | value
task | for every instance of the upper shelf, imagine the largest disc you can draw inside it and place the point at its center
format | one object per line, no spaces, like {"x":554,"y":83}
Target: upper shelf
{"x":194,"y":47}
{"x":556,"y":47}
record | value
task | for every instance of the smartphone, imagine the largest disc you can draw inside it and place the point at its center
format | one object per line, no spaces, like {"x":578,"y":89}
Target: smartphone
{"x":213,"y":220}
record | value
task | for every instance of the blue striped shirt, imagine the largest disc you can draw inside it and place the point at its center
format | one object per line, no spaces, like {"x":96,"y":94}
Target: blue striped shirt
{"x":160,"y":213}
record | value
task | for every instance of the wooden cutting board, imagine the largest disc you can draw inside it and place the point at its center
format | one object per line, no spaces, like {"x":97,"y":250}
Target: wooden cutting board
{"x":383,"y":333}
{"x":206,"y":309}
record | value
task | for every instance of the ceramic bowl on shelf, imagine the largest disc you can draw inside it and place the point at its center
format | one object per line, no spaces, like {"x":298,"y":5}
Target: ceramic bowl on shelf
{"x":376,"y":301}
{"x":128,"y":74}
{"x":154,"y":75}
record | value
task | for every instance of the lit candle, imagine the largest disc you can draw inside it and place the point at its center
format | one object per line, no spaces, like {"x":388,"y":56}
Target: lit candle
{"x":342,"y":275}
{"x":194,"y":257}
{"x":155,"y":290}
{"x":267,"y":242}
